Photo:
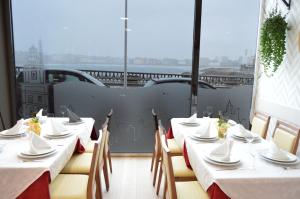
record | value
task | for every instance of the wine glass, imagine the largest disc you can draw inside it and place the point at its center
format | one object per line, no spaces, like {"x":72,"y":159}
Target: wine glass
{"x":249,"y":139}
{"x":209,"y":110}
{"x":63,"y":110}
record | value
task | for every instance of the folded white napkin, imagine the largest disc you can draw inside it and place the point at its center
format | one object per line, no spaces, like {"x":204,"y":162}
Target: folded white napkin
{"x":73,"y":118}
{"x":223,"y":151}
{"x":276,"y":153}
{"x":57,"y":127}
{"x":15,"y":129}
{"x":231,"y":122}
{"x":192,"y":119}
{"x":37,"y":144}
{"x":204,"y":130}
{"x":241,"y":131}
{"x":39,"y":114}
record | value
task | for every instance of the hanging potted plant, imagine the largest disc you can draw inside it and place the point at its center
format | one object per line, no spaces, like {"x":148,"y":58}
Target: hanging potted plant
{"x":272,"y":41}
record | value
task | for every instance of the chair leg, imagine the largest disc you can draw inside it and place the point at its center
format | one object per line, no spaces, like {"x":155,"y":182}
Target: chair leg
{"x":165,"y":189}
{"x":157,"y":157}
{"x":98,"y":185}
{"x":109,"y":159}
{"x":105,"y":173}
{"x":159,"y":178}
{"x":152,"y":160}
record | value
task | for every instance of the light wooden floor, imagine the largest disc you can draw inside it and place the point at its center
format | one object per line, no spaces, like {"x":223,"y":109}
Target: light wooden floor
{"x":131,"y":179}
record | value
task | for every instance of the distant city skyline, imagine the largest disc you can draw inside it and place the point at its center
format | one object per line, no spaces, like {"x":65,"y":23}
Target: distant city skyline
{"x":160,"y":29}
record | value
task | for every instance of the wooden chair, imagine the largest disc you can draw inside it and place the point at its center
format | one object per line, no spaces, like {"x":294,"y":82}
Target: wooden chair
{"x":81,"y":163}
{"x":181,"y":171}
{"x":286,"y":136}
{"x":107,"y":154}
{"x":156,"y":156}
{"x":80,"y":186}
{"x":260,"y":124}
{"x":179,"y":190}
{"x":155,"y":151}
{"x":2,"y":122}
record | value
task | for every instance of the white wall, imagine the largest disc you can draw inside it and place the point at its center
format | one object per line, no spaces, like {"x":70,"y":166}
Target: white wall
{"x":279,"y":95}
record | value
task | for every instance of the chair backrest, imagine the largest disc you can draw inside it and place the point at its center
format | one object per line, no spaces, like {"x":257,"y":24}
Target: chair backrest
{"x":155,"y":118}
{"x":109,"y":116}
{"x":95,"y":160}
{"x":2,"y":122}
{"x":286,"y":136}
{"x":169,"y":173}
{"x":107,"y":133}
{"x":260,"y":124}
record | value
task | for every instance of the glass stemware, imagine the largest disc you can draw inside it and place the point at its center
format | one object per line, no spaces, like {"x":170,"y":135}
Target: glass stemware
{"x":63,"y":110}
{"x":249,"y":139}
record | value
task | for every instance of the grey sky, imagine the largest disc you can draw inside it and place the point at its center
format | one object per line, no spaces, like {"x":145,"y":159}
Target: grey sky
{"x":160,"y":28}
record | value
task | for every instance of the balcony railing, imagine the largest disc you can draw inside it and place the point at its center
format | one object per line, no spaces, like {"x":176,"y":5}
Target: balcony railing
{"x":116,"y":78}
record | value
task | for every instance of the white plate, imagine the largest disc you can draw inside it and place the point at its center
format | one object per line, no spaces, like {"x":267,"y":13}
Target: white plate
{"x":200,"y":137}
{"x":238,"y":135}
{"x":221,"y":164}
{"x":56,"y":136}
{"x":189,"y":123}
{"x":73,"y":123}
{"x":42,"y":152}
{"x":64,"y":133}
{"x":37,"y":156}
{"x":203,"y":139}
{"x":280,"y":163}
{"x":12,"y":136}
{"x":218,"y":159}
{"x":265,"y":155}
{"x":244,"y":139}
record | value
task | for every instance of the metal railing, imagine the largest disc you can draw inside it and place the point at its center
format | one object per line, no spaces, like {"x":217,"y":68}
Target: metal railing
{"x":116,"y":78}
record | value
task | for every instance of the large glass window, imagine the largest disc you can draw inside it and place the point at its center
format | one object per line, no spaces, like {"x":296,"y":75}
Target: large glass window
{"x":73,"y":53}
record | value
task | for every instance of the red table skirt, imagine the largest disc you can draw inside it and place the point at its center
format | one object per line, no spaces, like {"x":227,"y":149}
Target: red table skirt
{"x":214,"y":191}
{"x":39,"y":189}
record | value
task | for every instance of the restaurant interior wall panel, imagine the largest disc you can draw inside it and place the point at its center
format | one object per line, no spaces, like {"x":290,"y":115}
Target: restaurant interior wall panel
{"x":4,"y":86}
{"x":279,"y":95}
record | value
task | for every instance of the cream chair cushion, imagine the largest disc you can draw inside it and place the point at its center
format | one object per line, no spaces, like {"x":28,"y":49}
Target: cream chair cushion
{"x":284,"y":140}
{"x":90,"y":146}
{"x":190,"y":190}
{"x":67,"y":186}
{"x":180,"y":169}
{"x":79,"y":164}
{"x":259,"y":126}
{"x":173,"y":146}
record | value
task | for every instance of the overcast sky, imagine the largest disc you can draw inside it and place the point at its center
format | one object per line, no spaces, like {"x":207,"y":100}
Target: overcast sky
{"x":160,"y":28}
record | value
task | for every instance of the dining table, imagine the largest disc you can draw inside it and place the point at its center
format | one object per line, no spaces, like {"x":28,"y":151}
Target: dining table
{"x":252,"y":178}
{"x":29,"y":178}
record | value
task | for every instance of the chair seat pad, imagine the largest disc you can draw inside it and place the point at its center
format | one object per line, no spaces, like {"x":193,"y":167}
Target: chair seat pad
{"x":190,"y":190}
{"x":90,"y":146}
{"x":180,"y":168}
{"x":173,"y":146}
{"x":79,"y":164}
{"x":69,"y":186}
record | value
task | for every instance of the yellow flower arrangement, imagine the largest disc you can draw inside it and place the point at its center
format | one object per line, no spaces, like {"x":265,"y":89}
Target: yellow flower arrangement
{"x":34,"y":126}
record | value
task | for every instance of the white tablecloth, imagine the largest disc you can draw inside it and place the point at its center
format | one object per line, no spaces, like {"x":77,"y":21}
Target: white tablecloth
{"x":264,"y":180}
{"x":17,"y":174}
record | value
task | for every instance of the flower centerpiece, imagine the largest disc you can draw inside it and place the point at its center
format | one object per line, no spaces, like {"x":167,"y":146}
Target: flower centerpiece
{"x":222,"y":127}
{"x":34,"y":125}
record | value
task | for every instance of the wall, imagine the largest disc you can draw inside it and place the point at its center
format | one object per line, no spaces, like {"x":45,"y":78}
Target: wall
{"x":279,"y":95}
{"x":4,"y":88}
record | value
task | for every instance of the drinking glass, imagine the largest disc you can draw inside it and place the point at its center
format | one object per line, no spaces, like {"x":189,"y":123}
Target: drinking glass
{"x":250,"y":138}
{"x":210,"y":111}
{"x":63,"y":110}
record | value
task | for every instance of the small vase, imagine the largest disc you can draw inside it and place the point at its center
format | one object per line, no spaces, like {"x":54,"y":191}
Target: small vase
{"x":35,"y":127}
